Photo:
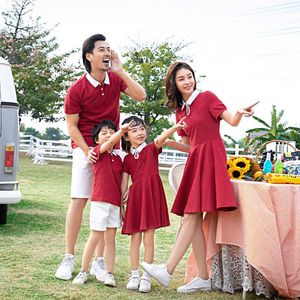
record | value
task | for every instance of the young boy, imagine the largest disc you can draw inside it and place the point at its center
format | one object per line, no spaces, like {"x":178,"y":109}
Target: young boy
{"x":105,"y":200}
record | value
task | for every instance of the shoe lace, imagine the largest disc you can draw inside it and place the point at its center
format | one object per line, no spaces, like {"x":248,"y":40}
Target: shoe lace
{"x":100,"y":264}
{"x":81,"y":276}
{"x":110,"y":276}
{"x":134,"y":278}
{"x":192,"y":281}
{"x":67,"y":261}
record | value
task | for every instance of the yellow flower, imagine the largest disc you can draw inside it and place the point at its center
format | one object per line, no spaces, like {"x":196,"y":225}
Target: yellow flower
{"x":243,"y":163}
{"x":229,"y":163}
{"x":235,"y":172}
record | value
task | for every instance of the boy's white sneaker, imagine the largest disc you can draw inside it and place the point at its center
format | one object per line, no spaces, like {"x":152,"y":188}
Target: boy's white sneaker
{"x":81,"y":278}
{"x":197,"y":284}
{"x":159,"y":272}
{"x":133,"y":283}
{"x":145,"y":285}
{"x":98,"y":269}
{"x":110,"y":280}
{"x":66,"y":268}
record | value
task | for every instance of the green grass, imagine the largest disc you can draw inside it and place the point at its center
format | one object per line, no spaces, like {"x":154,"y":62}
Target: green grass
{"x":32,"y":245}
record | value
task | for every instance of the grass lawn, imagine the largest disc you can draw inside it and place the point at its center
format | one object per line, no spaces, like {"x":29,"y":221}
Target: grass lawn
{"x":32,"y":245}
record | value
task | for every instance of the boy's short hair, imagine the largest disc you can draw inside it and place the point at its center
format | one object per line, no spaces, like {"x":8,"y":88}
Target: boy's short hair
{"x":97,"y":128}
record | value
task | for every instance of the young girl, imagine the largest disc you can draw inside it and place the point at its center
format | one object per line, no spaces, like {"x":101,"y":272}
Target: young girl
{"x":205,"y":185}
{"x":146,"y":207}
{"x":105,"y":200}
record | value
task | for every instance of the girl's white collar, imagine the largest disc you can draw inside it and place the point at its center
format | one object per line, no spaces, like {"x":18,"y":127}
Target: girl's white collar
{"x":136,"y":151}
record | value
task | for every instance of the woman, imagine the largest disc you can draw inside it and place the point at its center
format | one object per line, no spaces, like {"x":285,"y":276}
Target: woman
{"x":205,"y":186}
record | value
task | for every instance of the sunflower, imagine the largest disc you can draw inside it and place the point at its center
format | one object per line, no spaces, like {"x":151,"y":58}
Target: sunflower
{"x":243,"y":163}
{"x":229,"y":163}
{"x":236,"y":173}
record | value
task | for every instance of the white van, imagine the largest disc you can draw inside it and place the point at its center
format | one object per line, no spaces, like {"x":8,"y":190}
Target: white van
{"x":9,"y":141}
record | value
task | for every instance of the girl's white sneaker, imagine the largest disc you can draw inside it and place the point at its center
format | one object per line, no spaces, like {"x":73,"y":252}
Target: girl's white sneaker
{"x":145,"y":285}
{"x":133,"y":283}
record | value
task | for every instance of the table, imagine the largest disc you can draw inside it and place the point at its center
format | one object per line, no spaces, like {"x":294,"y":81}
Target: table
{"x":261,"y":239}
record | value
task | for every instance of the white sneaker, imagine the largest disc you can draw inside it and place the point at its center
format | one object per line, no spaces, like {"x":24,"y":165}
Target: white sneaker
{"x":66,"y":268}
{"x":81,"y":278}
{"x":133,"y":283}
{"x":159,"y":272}
{"x":98,"y":269}
{"x":110,"y":280}
{"x":197,"y":284}
{"x":145,"y":285}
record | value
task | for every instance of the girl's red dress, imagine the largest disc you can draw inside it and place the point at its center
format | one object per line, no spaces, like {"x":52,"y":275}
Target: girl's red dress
{"x":147,"y":205}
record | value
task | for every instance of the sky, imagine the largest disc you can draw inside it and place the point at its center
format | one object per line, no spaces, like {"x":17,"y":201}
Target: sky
{"x":248,"y":50}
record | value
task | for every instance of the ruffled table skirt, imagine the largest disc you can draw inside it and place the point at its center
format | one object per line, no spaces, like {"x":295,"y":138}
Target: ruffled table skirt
{"x":230,"y":272}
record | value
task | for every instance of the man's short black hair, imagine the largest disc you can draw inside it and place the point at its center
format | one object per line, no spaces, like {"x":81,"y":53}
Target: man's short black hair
{"x":88,"y":47}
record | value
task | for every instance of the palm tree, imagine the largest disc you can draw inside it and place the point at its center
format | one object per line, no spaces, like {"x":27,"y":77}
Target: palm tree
{"x":275,"y":131}
{"x":230,"y":142}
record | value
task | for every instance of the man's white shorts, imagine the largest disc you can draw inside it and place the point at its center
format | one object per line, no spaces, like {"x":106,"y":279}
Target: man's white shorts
{"x":82,"y":175}
{"x":104,"y":215}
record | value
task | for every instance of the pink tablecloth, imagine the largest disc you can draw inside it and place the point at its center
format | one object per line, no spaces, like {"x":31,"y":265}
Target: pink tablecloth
{"x":267,"y":227}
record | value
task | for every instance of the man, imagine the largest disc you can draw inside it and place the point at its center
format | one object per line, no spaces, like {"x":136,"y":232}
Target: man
{"x":92,"y":98}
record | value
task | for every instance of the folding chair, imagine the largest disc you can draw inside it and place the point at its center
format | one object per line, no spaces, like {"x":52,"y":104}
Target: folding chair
{"x":175,"y":176}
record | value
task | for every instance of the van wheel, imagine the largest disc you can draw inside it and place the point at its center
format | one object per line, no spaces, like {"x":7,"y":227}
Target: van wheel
{"x":3,"y":213}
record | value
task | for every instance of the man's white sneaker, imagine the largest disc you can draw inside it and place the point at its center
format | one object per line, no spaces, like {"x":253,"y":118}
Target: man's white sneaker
{"x":159,"y":272}
{"x":81,"y":278}
{"x":133,"y":283}
{"x":66,"y":268}
{"x":145,"y":285}
{"x":98,"y":269}
{"x":197,"y":284}
{"x":110,"y":280}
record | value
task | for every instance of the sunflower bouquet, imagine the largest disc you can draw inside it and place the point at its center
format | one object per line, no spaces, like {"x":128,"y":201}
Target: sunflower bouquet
{"x":243,"y":168}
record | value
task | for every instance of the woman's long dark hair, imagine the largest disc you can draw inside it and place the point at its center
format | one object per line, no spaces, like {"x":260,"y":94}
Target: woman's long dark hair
{"x":174,"y":97}
{"x":126,"y":145}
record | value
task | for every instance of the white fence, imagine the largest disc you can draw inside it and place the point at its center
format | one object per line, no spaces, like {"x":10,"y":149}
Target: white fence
{"x":48,"y":150}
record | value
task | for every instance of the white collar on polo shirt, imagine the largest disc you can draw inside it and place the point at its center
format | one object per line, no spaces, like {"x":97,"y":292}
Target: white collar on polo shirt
{"x":186,"y":104}
{"x":136,"y":152}
{"x":94,"y":82}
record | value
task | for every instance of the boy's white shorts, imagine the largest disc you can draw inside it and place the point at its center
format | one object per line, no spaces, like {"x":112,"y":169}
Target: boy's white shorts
{"x":104,"y":215}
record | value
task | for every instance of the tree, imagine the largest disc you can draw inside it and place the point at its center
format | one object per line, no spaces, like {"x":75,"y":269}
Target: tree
{"x":41,"y":76}
{"x":148,"y":65}
{"x":230,"y":142}
{"x":55,"y":134}
{"x":276,"y":130}
{"x":32,"y":131}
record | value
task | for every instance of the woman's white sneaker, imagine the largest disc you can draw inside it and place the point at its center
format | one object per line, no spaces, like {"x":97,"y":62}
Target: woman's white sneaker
{"x":145,"y":285}
{"x":159,"y":272}
{"x":133,"y":283}
{"x":197,"y":284}
{"x":81,"y":278}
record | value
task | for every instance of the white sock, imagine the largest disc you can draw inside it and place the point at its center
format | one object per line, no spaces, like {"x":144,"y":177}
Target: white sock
{"x":146,"y":275}
{"x":135,"y":273}
{"x":99,"y":258}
